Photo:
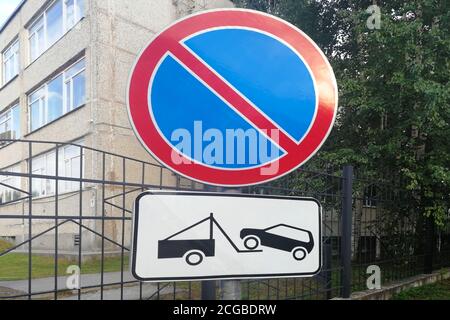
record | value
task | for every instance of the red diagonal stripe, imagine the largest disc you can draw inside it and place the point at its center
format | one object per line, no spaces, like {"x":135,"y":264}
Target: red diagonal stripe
{"x":226,"y":92}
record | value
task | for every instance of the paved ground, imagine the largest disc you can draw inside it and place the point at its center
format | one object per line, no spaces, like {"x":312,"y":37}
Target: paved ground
{"x":130,"y":292}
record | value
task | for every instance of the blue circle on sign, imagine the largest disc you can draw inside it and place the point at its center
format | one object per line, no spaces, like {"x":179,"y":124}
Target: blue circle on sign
{"x":263,"y":69}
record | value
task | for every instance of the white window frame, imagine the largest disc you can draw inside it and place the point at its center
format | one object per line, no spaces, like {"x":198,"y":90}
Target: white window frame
{"x":370,"y":196}
{"x":69,"y":80}
{"x":7,"y":117}
{"x":10,"y":118}
{"x":39,"y":20}
{"x":43,"y":99}
{"x":66,"y":28}
{"x":69,"y":186}
{"x":46,"y":187}
{"x":11,"y":53}
{"x":42,"y":108}
{"x":13,"y":181}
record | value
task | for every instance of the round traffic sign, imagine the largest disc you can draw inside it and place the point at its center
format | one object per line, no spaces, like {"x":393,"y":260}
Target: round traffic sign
{"x":232,"y":97}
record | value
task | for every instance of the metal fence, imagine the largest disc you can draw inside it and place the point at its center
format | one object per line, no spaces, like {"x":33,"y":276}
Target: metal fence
{"x":390,"y":231}
{"x":76,"y":210}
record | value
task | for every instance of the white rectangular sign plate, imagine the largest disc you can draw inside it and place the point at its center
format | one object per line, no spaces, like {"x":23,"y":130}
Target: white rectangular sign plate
{"x":179,"y":236}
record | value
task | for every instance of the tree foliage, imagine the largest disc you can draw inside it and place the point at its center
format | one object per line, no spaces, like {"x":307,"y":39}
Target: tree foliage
{"x":394,"y":91}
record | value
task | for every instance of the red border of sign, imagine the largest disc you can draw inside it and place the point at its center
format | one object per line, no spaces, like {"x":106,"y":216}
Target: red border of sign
{"x":148,"y":61}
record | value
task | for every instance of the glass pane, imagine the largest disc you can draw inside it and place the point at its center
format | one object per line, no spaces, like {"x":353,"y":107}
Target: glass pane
{"x":15,"y":47}
{"x":16,"y":63}
{"x":50,"y":169}
{"x":71,"y":152}
{"x":79,"y":92}
{"x":68,"y":96}
{"x":36,"y":95}
{"x":54,"y":23}
{"x":80,"y":5}
{"x":75,"y":68}
{"x":70,"y":13}
{"x":4,"y":119}
{"x":75,"y":173}
{"x":33,"y":47}
{"x":7,"y":70}
{"x":38,"y":169}
{"x":75,"y":167}
{"x":35,"y":115}
{"x":37,"y":39}
{"x":50,"y":164}
{"x":16,"y":122}
{"x":55,"y":99}
{"x":37,"y":25}
{"x":7,"y":54}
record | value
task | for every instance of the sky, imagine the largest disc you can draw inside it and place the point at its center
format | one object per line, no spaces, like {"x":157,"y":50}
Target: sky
{"x":6,"y":8}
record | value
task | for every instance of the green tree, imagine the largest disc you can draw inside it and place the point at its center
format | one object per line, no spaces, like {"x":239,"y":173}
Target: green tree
{"x":394,"y":108}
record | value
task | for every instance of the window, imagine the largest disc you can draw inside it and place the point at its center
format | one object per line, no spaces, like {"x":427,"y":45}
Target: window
{"x":69,"y":158}
{"x":69,"y":166}
{"x":74,"y":81}
{"x":55,"y":98}
{"x":55,"y":26}
{"x":57,"y":19}
{"x":44,"y":165}
{"x":37,"y":39}
{"x":11,"y":62}
{"x":10,"y":124}
{"x":289,"y":232}
{"x":70,"y":12}
{"x":62,"y":94}
{"x":370,"y":196}
{"x":37,"y":106}
{"x":8,"y":194}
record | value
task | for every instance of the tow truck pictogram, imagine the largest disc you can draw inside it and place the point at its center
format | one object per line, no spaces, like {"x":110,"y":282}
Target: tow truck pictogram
{"x":194,"y":251}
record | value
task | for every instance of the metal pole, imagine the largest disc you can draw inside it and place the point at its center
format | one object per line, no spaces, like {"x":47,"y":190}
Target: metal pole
{"x":30,"y":215}
{"x":208,"y":290}
{"x":230,"y":289}
{"x":346,"y":242}
{"x":209,"y":287}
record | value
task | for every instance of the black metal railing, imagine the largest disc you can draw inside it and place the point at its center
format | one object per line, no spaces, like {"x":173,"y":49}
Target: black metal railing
{"x":88,"y":225}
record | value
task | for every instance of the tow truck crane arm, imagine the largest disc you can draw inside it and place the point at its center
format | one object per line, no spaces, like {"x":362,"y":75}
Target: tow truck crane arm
{"x":213,"y":222}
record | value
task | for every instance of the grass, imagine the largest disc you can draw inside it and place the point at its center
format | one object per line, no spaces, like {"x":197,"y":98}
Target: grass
{"x":4,"y":245}
{"x":14,"y":266}
{"x":435,"y":291}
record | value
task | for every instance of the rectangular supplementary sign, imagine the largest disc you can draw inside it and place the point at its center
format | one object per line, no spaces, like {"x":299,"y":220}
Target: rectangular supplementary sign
{"x":179,"y":236}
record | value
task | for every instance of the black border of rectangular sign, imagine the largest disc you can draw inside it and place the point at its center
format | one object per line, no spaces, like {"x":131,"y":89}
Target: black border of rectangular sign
{"x":218,"y":277}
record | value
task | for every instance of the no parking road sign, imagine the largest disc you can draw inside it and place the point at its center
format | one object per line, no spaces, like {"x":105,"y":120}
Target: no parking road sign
{"x":232,"y":97}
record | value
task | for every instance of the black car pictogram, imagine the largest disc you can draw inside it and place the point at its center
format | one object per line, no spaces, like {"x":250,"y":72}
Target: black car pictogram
{"x":272,"y":237}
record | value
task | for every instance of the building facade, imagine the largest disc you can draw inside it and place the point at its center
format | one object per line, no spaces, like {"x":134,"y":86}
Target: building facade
{"x":64,"y":72}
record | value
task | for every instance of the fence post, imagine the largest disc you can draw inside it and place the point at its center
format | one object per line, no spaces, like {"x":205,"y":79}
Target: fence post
{"x":429,"y":245}
{"x":326,"y":274}
{"x":208,"y":290}
{"x":346,"y":242}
